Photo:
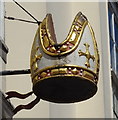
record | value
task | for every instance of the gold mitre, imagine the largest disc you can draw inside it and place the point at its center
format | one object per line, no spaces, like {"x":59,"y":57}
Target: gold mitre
{"x":66,"y":72}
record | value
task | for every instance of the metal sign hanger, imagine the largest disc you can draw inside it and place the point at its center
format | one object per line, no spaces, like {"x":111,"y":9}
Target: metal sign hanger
{"x":12,"y":18}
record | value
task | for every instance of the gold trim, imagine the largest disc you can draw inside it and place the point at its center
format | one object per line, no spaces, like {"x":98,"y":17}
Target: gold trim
{"x":71,"y":42}
{"x":52,"y":49}
{"x":59,"y":71}
{"x":63,"y":48}
{"x":64,"y":70}
{"x":36,"y":57}
{"x":35,"y":67}
{"x":58,"y":66}
{"x":83,"y":77}
{"x":97,"y":59}
{"x":73,"y":39}
{"x":46,"y":42}
{"x":74,"y":71}
{"x":88,"y":75}
{"x":43,"y":74}
{"x":54,"y":72}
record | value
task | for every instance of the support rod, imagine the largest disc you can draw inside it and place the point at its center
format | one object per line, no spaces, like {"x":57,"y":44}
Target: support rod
{"x":26,"y":11}
{"x":22,"y":20}
{"x":14,"y":72}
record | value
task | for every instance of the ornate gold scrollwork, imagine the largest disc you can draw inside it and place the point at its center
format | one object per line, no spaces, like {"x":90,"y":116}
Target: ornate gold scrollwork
{"x":66,"y":70}
{"x":67,"y":45}
{"x":47,"y":44}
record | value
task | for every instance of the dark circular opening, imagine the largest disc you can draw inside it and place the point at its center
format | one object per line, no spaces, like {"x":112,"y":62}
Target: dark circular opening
{"x":64,"y":89}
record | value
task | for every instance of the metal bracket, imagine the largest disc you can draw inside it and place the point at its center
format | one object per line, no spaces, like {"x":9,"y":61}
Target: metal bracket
{"x":14,"y":72}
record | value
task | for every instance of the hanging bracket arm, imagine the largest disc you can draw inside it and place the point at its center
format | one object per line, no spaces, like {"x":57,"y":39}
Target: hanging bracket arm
{"x":14,"y":72}
{"x":26,"y":11}
{"x":21,"y":20}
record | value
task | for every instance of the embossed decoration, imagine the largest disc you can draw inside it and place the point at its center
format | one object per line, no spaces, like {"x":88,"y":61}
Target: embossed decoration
{"x":87,"y":55}
{"x":66,"y":70}
{"x":74,"y":71}
{"x":35,"y":56}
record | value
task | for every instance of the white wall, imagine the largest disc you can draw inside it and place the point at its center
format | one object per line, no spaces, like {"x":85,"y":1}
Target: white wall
{"x":94,"y":107}
{"x":2,"y":19}
{"x":19,"y":38}
{"x":2,"y":65}
{"x":105,"y":60}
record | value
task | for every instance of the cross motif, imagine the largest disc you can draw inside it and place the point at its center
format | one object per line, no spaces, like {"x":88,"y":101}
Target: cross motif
{"x":35,"y":57}
{"x":87,"y":55}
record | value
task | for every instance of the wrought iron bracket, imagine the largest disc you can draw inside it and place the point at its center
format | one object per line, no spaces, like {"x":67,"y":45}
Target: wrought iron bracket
{"x":14,"y":72}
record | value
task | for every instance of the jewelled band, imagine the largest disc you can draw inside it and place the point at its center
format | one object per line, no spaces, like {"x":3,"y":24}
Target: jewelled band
{"x":64,"y":70}
{"x":69,"y":44}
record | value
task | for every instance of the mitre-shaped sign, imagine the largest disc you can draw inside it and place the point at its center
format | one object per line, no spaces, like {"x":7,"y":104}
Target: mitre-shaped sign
{"x":64,"y":72}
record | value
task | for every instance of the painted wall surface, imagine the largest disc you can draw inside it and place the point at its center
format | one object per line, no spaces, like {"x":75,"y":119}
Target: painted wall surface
{"x":19,"y":39}
{"x":105,"y":60}
{"x":2,"y":65}
{"x":94,"y":107}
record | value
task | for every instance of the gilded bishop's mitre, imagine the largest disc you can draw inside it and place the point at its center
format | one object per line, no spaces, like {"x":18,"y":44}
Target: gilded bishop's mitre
{"x":65,"y":72}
